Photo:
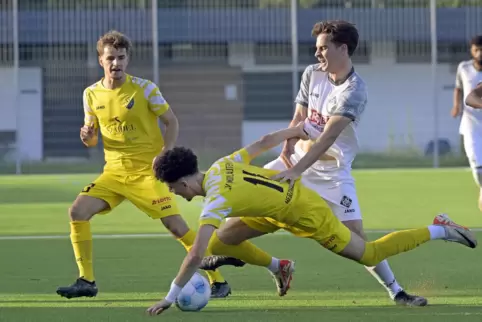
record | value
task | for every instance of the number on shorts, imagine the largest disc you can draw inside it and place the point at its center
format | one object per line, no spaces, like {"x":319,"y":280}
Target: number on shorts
{"x":256,"y":179}
{"x":90,"y":186}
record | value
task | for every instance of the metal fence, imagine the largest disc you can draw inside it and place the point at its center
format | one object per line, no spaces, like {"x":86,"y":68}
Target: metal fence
{"x":230,"y":69}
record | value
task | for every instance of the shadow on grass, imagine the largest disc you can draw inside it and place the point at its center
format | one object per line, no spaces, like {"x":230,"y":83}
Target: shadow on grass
{"x":259,"y":297}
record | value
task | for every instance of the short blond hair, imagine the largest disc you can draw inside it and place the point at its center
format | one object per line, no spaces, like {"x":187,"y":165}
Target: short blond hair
{"x":115,"y":39}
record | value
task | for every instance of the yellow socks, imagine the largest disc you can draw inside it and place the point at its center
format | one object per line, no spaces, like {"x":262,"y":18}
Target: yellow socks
{"x":393,"y":244}
{"x":187,"y":241}
{"x":246,"y":251}
{"x":81,"y":239}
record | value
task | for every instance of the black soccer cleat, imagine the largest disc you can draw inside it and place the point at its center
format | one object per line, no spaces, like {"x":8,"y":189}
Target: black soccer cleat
{"x":81,"y":288}
{"x":220,"y":290}
{"x":211,"y":263}
{"x":403,"y":298}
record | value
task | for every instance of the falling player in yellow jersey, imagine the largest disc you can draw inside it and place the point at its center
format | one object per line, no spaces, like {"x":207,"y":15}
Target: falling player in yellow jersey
{"x":126,"y":110}
{"x":234,"y":188}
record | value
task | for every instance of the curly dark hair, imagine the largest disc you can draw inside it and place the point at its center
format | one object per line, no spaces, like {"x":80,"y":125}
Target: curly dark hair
{"x":175,"y":164}
{"x":342,"y":32}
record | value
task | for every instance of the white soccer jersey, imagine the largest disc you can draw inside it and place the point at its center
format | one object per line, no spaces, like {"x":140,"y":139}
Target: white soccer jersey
{"x":467,"y":79}
{"x":325,"y":99}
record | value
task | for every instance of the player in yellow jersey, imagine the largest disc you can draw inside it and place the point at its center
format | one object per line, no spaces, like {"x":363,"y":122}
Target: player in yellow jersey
{"x":126,"y":110}
{"x":234,"y":188}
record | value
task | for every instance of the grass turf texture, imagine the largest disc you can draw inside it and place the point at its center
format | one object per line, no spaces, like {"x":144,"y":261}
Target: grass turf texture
{"x":134,"y":272}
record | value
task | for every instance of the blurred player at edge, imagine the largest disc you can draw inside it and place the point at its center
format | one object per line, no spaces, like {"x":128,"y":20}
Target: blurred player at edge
{"x":469,"y":75}
{"x":232,"y":187}
{"x":126,"y":110}
{"x":333,"y":97}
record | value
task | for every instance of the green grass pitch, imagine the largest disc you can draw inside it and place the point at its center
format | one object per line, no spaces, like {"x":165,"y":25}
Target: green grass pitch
{"x":134,"y":271}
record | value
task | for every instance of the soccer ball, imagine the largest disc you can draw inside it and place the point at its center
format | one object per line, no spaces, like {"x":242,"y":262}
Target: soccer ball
{"x":195,"y":294}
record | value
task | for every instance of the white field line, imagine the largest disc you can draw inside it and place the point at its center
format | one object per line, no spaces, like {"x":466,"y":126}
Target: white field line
{"x":160,"y":235}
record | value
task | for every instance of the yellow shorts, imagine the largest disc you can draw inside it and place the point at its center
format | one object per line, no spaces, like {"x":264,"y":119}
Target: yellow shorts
{"x":317,"y":222}
{"x":147,"y":193}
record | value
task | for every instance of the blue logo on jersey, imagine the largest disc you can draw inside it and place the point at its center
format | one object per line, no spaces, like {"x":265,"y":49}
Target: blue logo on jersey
{"x":131,"y":104}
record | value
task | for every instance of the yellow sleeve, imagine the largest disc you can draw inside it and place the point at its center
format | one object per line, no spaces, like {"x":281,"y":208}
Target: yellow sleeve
{"x":215,"y":210}
{"x":89,"y":116}
{"x":241,"y":156}
{"x":157,"y":104}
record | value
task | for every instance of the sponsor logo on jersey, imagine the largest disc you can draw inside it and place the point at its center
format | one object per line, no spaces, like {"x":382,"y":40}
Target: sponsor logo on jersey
{"x":328,"y":244}
{"x":317,"y":119}
{"x":161,"y":201}
{"x":100,"y":107}
{"x":165,"y":207}
{"x":119,"y":127}
{"x":347,"y":211}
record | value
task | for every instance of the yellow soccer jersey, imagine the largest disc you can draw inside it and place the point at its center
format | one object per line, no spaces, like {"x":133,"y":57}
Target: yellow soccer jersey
{"x":234,"y":188}
{"x":128,"y":121}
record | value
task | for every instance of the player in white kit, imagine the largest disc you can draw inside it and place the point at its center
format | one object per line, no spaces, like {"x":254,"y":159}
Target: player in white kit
{"x":469,"y":75}
{"x":333,"y":97}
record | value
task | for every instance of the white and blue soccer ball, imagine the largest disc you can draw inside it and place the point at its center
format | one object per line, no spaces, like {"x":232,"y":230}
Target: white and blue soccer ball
{"x":195,"y":294}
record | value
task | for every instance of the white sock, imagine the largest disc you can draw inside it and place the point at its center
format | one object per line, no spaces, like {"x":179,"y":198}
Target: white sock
{"x":437,"y":232}
{"x":274,"y":266}
{"x":384,"y":275}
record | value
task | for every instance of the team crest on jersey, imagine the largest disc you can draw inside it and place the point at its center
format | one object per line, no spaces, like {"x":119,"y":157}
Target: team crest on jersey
{"x":130,"y":104}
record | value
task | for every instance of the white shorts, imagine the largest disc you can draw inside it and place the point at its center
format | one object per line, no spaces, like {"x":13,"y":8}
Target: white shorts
{"x":473,"y":148}
{"x":340,"y":196}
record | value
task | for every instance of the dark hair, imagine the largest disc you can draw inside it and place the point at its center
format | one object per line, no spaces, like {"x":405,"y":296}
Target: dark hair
{"x":342,"y":32}
{"x":115,"y":39}
{"x":476,"y":41}
{"x":175,"y":164}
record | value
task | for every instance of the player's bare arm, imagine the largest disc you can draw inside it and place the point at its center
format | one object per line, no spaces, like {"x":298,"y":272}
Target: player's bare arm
{"x":89,"y":136}
{"x":289,"y":145}
{"x":474,"y":99}
{"x":335,"y":125}
{"x":301,"y":113}
{"x":457,"y":105}
{"x":458,"y":95}
{"x":188,"y":267}
{"x":169,"y":119}
{"x":271,"y":140}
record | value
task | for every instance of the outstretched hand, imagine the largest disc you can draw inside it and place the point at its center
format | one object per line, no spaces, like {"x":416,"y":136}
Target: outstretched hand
{"x":290,"y":175}
{"x":159,"y":307}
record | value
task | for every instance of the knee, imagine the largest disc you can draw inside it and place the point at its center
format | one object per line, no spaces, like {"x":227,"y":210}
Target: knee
{"x":233,"y":232}
{"x":78,"y":213}
{"x":176,"y":225}
{"x":227,"y":238}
